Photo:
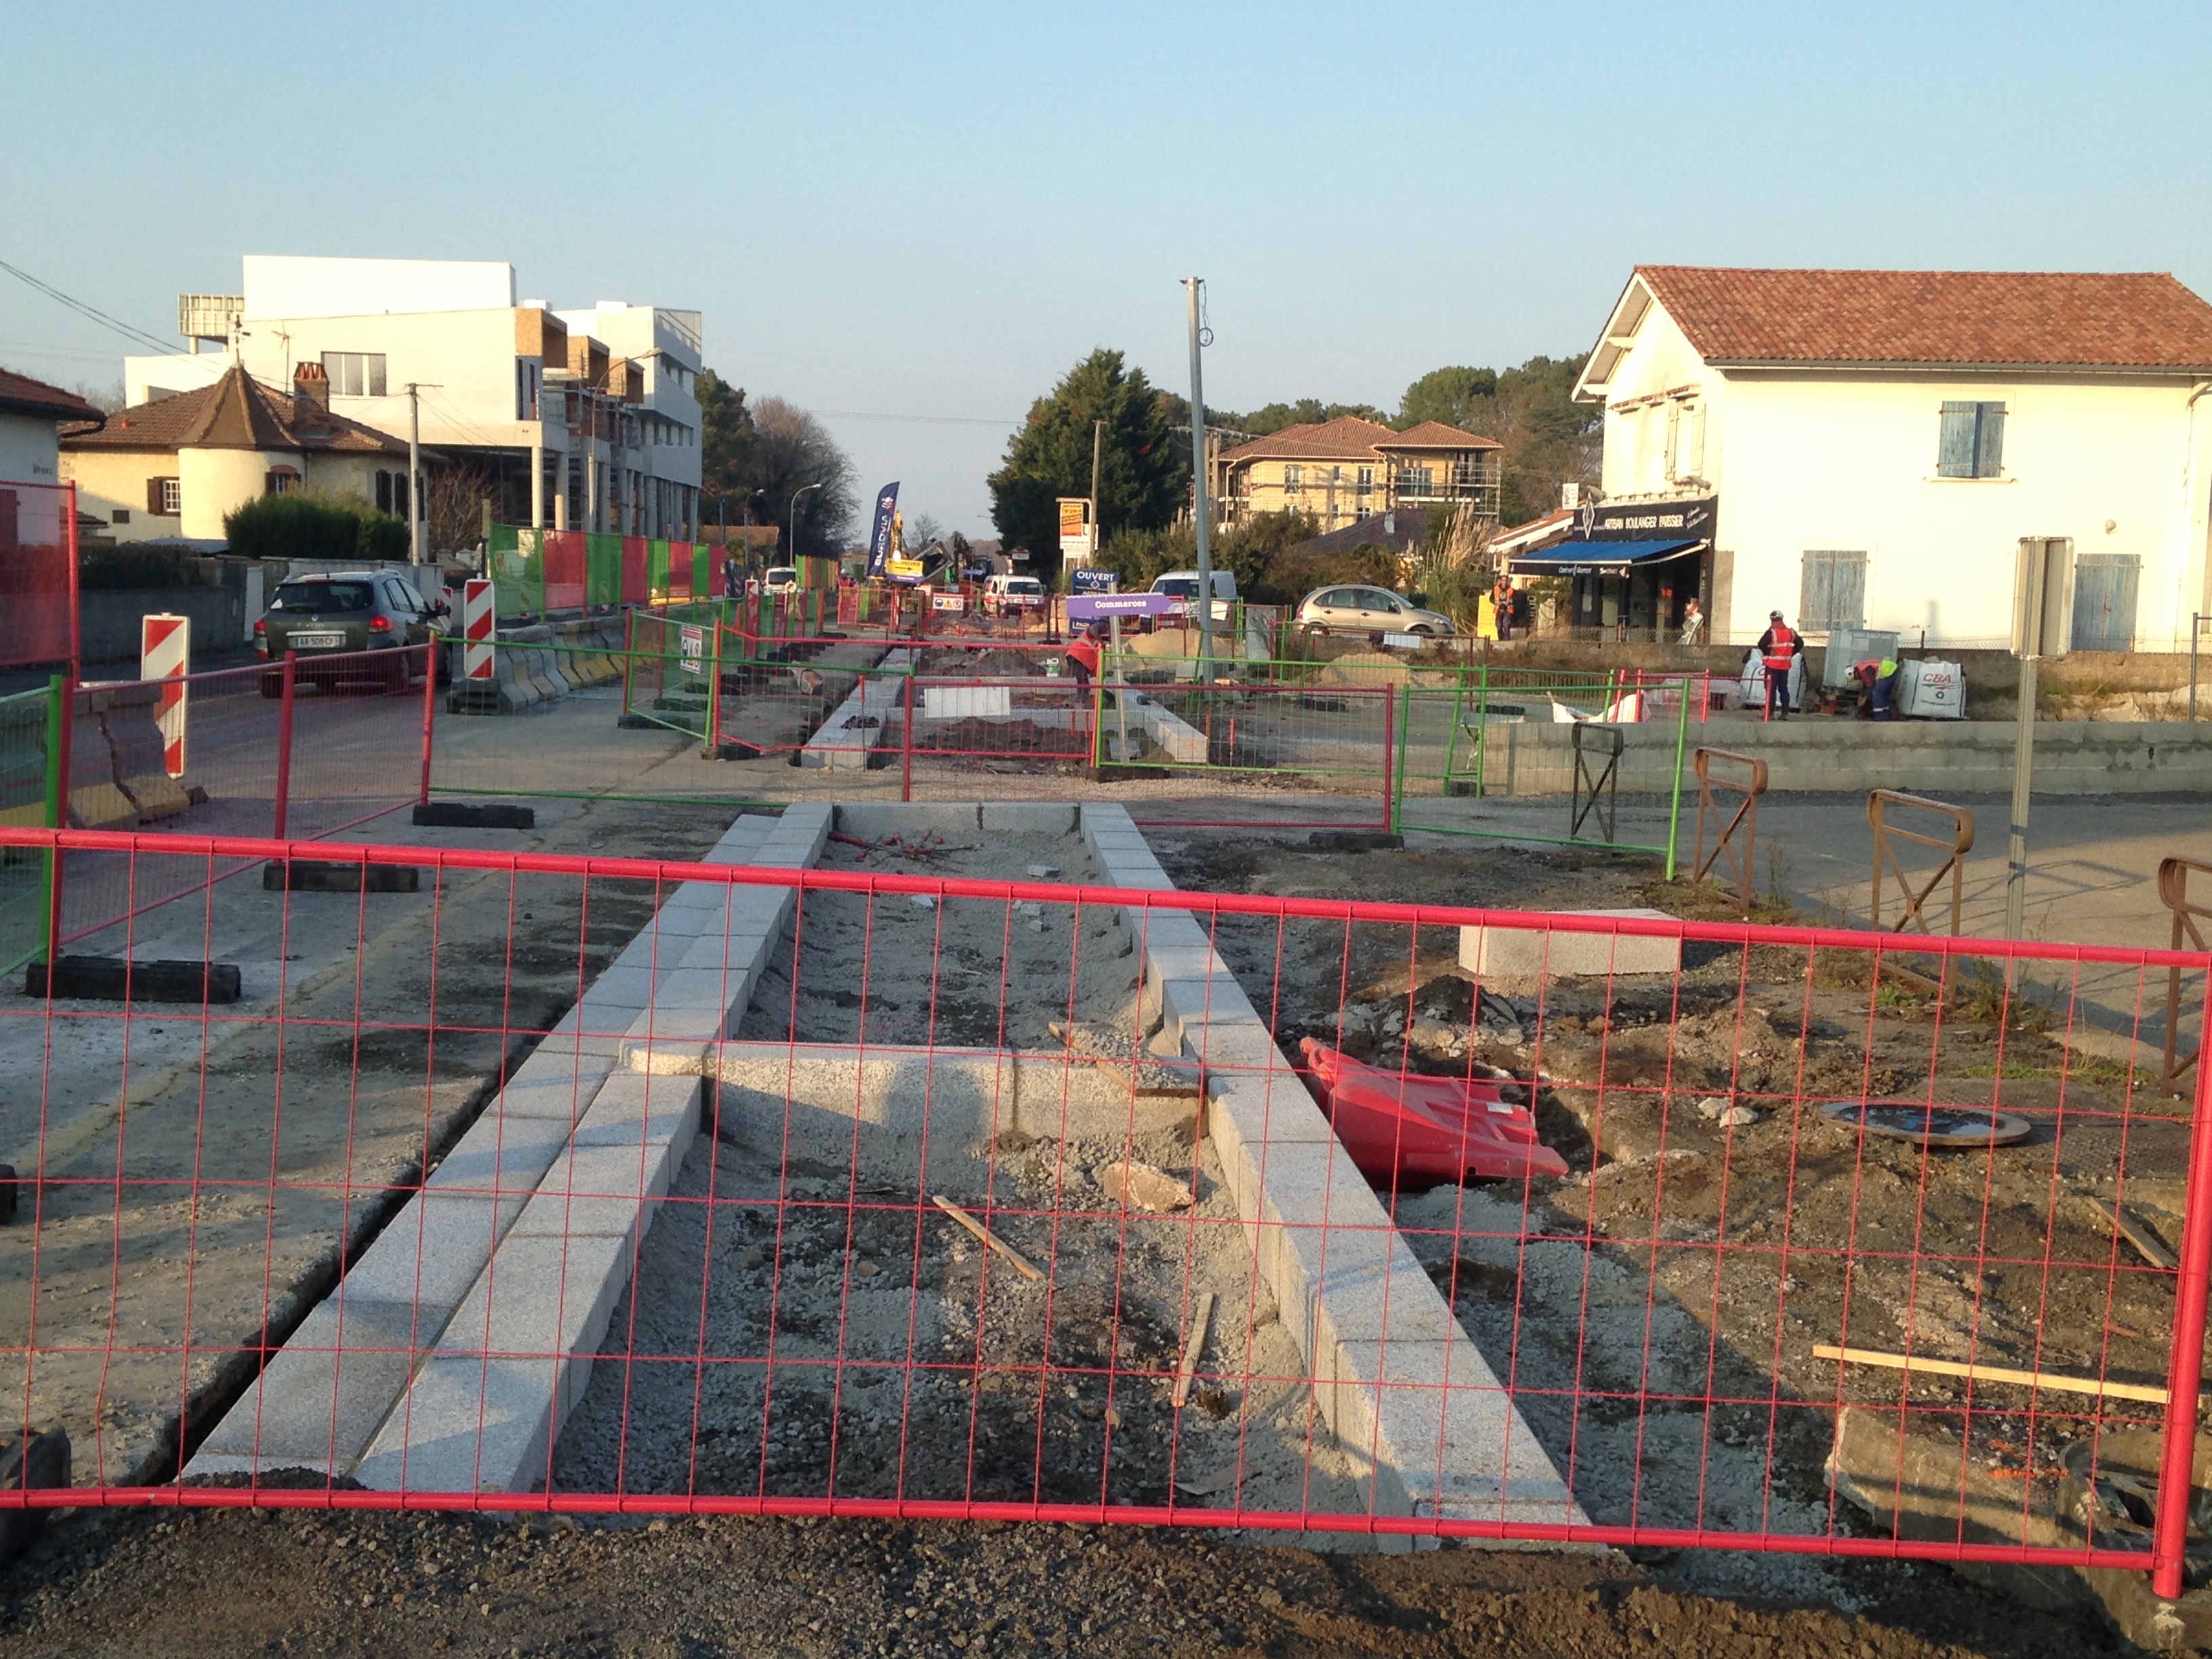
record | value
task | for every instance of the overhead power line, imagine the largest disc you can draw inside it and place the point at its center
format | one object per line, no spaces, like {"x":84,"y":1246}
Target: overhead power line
{"x":91,"y":313}
{"x":925,"y":420}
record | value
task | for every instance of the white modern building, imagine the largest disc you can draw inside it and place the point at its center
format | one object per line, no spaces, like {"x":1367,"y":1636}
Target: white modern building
{"x":31,"y":414}
{"x":580,"y":419}
{"x":1870,"y":446}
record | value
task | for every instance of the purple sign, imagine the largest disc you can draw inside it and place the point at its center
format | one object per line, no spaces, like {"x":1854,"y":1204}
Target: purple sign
{"x":1087,"y":607}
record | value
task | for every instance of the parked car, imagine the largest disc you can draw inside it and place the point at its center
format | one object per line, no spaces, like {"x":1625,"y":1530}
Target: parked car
{"x":780,"y":579}
{"x":1183,"y":585}
{"x":338,"y":623}
{"x":1359,"y":609}
{"x":1002,"y":594}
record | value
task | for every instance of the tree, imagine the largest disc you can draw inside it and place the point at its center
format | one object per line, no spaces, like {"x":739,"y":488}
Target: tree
{"x":772,"y":450}
{"x":455,"y":498}
{"x":1306,"y":411}
{"x":1453,"y":396}
{"x":1144,"y":472}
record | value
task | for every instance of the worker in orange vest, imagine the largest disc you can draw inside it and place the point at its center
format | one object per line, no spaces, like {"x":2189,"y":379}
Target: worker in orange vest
{"x":1779,"y":647}
{"x":1082,"y":657}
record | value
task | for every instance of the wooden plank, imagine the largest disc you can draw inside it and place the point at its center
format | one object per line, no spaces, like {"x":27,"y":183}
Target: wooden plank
{"x":989,"y":1238}
{"x":1192,"y":1348}
{"x":1897,"y":1362}
{"x":2145,"y":1241}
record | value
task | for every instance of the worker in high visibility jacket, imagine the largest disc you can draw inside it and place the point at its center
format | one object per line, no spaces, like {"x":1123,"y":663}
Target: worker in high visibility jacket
{"x":1779,"y":647}
{"x":1877,"y":678}
{"x":1082,"y":657}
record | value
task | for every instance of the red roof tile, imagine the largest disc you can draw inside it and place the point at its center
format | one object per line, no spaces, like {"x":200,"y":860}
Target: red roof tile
{"x":236,"y":412}
{"x":22,"y":395}
{"x":1349,"y":438}
{"x":1435,"y":434}
{"x":2070,"y":319}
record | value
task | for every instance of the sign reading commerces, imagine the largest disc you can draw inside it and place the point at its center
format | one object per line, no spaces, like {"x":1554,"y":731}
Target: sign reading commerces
{"x":1648,"y":522}
{"x":1086,"y":607}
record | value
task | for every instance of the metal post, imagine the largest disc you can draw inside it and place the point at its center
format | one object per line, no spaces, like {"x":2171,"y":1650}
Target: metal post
{"x":2196,"y":627}
{"x":1097,"y":449}
{"x":2023,"y":767}
{"x":1122,"y":691}
{"x":284,"y":745}
{"x":430,"y":708}
{"x":630,"y":658}
{"x":906,"y":743}
{"x":77,"y":638}
{"x":713,"y":735}
{"x":1681,"y":744}
{"x":1392,"y":768}
{"x":2185,"y":1372}
{"x":60,"y":694}
{"x":414,"y":474}
{"x":1198,"y":476}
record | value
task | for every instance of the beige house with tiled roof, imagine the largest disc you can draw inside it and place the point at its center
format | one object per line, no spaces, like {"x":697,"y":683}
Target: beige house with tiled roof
{"x":1870,"y":446}
{"x":176,"y":467}
{"x":1341,"y":471}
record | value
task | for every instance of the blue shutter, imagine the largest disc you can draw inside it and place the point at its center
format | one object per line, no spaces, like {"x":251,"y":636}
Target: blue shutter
{"x":1988,"y":442}
{"x":1954,"y":455}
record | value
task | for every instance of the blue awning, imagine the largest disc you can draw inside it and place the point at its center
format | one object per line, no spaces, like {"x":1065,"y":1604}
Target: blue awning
{"x":1598,"y":558}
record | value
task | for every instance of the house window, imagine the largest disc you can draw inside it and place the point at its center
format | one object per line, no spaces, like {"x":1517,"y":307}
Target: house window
{"x":354,"y":374}
{"x":1293,"y":480}
{"x":1833,"y":591}
{"x":1973,"y":441}
{"x":120,"y":515}
{"x":280,"y":480}
{"x":164,"y":497}
{"x":1416,"y":482}
{"x":1366,"y":481}
{"x":1686,"y":443}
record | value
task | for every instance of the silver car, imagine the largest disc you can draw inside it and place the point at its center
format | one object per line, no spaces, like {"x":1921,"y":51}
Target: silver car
{"x":1353,"y":608}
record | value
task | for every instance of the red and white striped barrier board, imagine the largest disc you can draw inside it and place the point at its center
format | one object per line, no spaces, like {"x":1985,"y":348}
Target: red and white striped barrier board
{"x":165,"y":651}
{"x":476,"y":630}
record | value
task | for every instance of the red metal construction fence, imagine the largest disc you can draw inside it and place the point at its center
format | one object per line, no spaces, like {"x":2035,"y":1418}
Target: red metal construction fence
{"x":1008,"y":1199}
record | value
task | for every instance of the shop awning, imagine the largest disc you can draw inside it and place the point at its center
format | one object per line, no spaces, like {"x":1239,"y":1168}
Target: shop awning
{"x":1598,"y":559}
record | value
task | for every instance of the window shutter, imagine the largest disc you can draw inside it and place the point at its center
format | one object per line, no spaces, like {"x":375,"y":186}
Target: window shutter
{"x":1694,"y":420}
{"x":1988,"y":442}
{"x":1954,"y":455}
{"x":1833,"y":591}
{"x":1672,"y":467}
{"x":153,"y":496}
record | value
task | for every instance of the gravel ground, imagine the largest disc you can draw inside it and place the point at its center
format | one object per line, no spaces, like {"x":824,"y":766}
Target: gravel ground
{"x":146,"y":1582}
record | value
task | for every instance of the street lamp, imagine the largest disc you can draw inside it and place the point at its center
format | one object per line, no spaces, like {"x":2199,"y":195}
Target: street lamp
{"x":795,"y":495}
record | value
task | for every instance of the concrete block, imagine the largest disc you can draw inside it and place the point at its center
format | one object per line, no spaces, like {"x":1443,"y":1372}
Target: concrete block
{"x":742,"y":950}
{"x":684,"y":989}
{"x":807,"y":824}
{"x":118,"y":979}
{"x":548,"y":1085}
{"x":321,"y":1400}
{"x":636,"y":1107}
{"x":474,"y":815}
{"x":338,"y":875}
{"x":1511,"y":951}
{"x":1445,"y":1437}
{"x":1025,"y":817}
{"x":873,"y":820}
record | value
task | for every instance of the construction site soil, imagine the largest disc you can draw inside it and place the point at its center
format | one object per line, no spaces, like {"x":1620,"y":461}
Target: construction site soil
{"x":223,"y":1583}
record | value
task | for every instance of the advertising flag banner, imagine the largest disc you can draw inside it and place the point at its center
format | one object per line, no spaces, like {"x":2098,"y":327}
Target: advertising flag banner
{"x":879,"y":544}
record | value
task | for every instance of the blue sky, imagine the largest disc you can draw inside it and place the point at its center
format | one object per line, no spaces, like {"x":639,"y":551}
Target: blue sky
{"x":930,"y":213}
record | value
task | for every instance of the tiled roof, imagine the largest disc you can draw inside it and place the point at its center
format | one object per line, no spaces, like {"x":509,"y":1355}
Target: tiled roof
{"x":1435,"y":434}
{"x":1349,"y":438}
{"x":2074,"y":319}
{"x":1346,"y":438}
{"x":236,"y":412}
{"x":22,"y":395}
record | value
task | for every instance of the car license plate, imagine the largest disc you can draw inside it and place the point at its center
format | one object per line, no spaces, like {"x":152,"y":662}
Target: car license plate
{"x":314,"y":642}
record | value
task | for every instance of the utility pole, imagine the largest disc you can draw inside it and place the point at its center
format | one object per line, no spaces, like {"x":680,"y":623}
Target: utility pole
{"x":1191,"y":285}
{"x":1097,"y":446}
{"x":414,"y":473}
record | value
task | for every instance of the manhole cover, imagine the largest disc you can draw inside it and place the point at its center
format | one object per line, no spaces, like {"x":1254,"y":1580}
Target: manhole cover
{"x":1929,"y":1126}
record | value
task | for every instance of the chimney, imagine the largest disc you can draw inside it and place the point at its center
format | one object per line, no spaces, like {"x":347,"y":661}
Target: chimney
{"x":311,"y":398}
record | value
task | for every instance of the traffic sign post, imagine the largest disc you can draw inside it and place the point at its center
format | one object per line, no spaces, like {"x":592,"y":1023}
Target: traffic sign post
{"x":2042,"y":626}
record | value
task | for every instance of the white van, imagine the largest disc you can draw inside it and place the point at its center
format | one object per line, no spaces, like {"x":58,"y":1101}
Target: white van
{"x":780,"y":579}
{"x":1183,"y":585}
{"x":1002,"y":594}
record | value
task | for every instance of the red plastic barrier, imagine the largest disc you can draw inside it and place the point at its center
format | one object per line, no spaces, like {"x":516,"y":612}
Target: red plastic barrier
{"x":1413,"y":1131}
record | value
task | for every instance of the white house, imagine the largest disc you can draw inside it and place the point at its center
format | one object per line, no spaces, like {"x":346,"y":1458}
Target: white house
{"x":574,"y":428}
{"x":1870,"y":446}
{"x":32,"y":415}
